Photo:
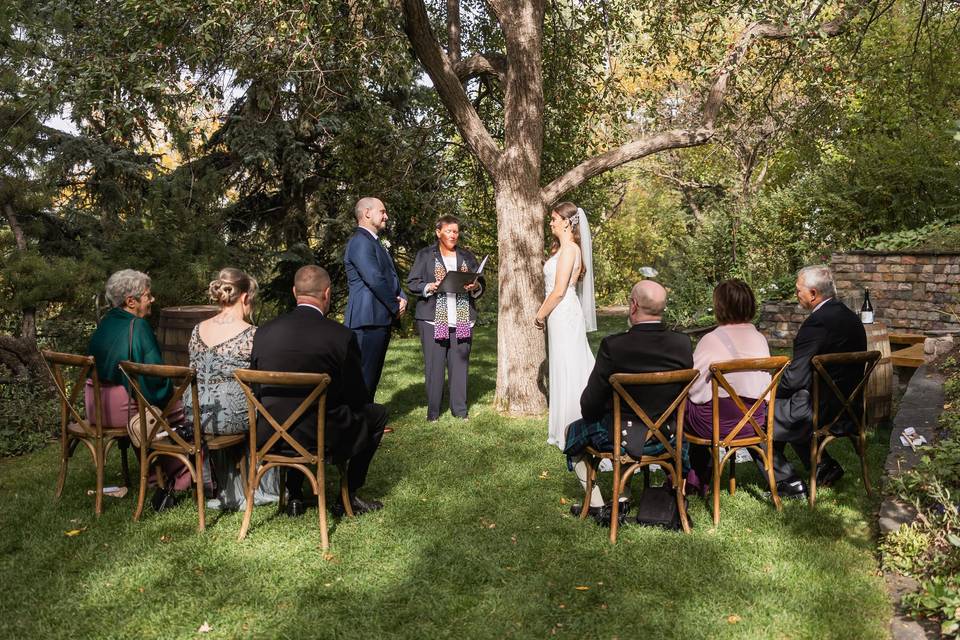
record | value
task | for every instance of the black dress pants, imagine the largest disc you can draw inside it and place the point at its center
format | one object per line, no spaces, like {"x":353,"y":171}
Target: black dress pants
{"x":359,"y":463}
{"x":451,"y":356}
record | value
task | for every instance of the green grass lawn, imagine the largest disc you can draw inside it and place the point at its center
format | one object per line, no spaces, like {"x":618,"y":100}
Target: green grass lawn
{"x":475,"y":541}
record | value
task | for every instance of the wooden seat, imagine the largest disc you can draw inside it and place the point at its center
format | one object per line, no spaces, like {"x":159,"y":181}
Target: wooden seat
{"x":262,"y":460}
{"x":624,"y":465}
{"x":822,"y":425}
{"x":77,"y":427}
{"x":762,"y":439}
{"x":162,"y":439}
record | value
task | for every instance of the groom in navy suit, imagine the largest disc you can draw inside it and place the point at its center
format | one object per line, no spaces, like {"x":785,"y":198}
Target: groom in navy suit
{"x":375,"y":295}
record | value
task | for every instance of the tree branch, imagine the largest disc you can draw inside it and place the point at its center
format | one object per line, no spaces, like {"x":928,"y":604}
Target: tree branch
{"x":416,"y":24}
{"x":675,"y":139}
{"x":633,"y":150}
{"x":478,"y":64}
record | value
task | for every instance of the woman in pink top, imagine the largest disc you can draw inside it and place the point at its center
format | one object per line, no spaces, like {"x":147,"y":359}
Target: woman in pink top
{"x":734,"y":306}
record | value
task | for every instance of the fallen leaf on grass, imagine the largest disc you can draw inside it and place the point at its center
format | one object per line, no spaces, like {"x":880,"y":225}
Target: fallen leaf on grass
{"x":140,"y":589}
{"x":544,"y":475}
{"x":74,"y":532}
{"x":328,"y":556}
{"x":205,"y":628}
{"x":166,"y":538}
{"x":733,"y":619}
{"x":582,"y":588}
{"x":563,"y":501}
{"x":513,"y":539}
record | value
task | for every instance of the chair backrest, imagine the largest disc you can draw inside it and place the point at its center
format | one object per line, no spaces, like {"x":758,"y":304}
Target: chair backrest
{"x":719,"y":371}
{"x":868,"y":360}
{"x":183,"y":378}
{"x":85,"y":366}
{"x":317,"y":384}
{"x":620,"y":383}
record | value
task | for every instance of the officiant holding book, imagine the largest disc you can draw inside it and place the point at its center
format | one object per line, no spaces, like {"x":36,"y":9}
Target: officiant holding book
{"x":445,"y":314}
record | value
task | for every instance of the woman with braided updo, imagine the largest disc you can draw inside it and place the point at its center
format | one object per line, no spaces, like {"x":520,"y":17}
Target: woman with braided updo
{"x":219,"y":345}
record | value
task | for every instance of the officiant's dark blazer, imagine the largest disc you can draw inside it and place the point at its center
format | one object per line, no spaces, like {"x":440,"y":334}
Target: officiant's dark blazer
{"x":833,"y":328}
{"x":304,"y":340}
{"x":645,"y":348}
{"x":423,"y":274}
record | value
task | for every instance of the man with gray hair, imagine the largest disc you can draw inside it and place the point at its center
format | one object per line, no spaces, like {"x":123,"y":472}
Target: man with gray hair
{"x":830,"y":328}
{"x":375,"y":299}
{"x":646,"y":347}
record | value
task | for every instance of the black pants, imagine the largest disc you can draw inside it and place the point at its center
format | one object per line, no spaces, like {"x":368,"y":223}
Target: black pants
{"x":792,"y":426}
{"x":359,"y":463}
{"x":451,"y":356}
{"x":373,"y":343}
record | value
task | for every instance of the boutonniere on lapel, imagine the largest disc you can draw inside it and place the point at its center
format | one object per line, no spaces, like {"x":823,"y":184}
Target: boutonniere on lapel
{"x":384,"y":243}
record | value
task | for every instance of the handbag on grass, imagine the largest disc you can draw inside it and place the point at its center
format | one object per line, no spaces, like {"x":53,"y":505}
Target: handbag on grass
{"x":658,"y":508}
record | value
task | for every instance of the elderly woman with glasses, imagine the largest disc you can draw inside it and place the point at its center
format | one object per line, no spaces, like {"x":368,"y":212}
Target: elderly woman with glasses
{"x":124,"y":334}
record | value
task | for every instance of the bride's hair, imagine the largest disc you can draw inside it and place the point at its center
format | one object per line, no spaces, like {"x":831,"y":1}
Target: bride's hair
{"x":568,"y":211}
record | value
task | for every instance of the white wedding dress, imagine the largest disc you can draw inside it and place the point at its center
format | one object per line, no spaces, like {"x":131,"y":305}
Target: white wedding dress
{"x":568,"y":353}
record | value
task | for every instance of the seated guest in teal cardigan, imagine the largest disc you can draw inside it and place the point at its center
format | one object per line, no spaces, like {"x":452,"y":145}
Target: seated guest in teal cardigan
{"x":124,"y":334}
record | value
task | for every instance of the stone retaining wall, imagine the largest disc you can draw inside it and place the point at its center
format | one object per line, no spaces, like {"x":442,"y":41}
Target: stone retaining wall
{"x":909,"y":293}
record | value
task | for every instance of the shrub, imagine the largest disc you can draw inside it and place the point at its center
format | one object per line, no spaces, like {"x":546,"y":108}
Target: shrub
{"x":28,"y":417}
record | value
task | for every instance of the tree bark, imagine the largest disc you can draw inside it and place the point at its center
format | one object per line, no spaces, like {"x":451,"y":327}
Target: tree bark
{"x":20,"y":354}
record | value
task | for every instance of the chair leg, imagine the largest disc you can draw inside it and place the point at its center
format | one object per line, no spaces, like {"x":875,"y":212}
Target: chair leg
{"x":201,"y":502}
{"x":322,"y":503}
{"x":64,"y":460}
{"x":99,"y":459}
{"x":682,"y":507}
{"x":252,"y":482}
{"x":861,"y":446}
{"x":732,"y":475}
{"x":344,"y":490}
{"x":716,"y":485}
{"x":282,"y":484}
{"x":814,"y":461}
{"x":142,"y":492}
{"x":646,"y":478}
{"x":771,"y":480}
{"x":615,"y":504}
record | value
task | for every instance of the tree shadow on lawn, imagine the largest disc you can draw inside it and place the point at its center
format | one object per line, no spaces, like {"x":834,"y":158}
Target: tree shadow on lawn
{"x":473,"y":543}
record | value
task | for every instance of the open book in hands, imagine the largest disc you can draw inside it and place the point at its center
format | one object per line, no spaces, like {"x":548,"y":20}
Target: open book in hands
{"x":455,"y":281}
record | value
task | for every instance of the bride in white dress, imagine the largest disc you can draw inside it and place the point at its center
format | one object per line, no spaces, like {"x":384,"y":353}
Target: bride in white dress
{"x":568,"y":312}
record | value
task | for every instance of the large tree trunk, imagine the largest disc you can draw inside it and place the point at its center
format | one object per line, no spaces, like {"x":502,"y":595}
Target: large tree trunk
{"x":521,"y":353}
{"x":20,"y":355}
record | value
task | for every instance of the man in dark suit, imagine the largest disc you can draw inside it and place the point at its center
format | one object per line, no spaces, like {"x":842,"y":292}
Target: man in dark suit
{"x":830,"y":328}
{"x":376,"y":299}
{"x":305,"y":340}
{"x":647,"y":347}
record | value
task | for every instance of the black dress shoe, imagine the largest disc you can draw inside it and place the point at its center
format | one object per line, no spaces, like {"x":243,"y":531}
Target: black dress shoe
{"x":828,"y":473}
{"x":606,"y":514}
{"x":792,"y":489}
{"x":577,"y":507}
{"x":358,"y":505}
{"x":296,"y":507}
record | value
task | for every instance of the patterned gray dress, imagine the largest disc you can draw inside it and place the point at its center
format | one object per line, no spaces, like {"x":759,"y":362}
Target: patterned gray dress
{"x":223,"y":410}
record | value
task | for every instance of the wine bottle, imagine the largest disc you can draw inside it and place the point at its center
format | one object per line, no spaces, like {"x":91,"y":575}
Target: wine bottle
{"x":866,"y":310}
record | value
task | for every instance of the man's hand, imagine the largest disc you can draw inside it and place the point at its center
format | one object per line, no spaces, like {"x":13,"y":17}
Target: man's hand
{"x":403,"y":306}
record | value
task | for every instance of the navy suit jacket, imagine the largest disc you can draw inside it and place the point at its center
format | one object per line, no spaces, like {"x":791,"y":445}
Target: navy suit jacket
{"x":372,"y":282}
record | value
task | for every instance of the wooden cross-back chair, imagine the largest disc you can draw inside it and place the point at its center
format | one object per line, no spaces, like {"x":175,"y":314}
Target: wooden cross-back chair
{"x":76,"y":426}
{"x":762,"y":439}
{"x":158,"y":437}
{"x":262,"y":460}
{"x":823,"y":432}
{"x":624,"y":465}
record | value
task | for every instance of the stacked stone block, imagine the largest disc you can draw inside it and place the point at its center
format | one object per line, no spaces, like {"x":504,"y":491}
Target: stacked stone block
{"x":911,"y":293}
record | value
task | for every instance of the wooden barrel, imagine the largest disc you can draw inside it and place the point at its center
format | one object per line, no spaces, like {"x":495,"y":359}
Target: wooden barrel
{"x":176,"y":324}
{"x":879,"y":390}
